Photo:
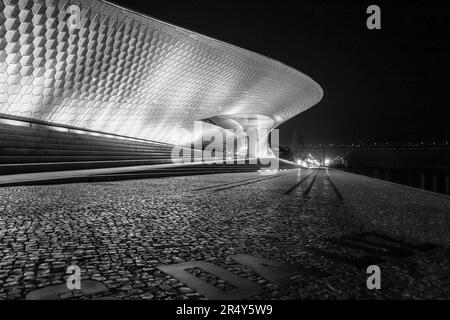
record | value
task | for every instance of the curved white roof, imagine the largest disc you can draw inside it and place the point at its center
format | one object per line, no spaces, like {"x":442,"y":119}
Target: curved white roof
{"x":133,"y":75}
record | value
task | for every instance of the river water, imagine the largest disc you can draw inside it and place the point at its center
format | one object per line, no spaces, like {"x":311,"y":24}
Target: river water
{"x":427,"y":179}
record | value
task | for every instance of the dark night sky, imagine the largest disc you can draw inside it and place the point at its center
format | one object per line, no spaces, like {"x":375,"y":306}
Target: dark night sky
{"x":383,"y":85}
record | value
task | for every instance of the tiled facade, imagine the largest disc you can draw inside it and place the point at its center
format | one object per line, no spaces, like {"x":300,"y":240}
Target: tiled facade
{"x":124,"y":73}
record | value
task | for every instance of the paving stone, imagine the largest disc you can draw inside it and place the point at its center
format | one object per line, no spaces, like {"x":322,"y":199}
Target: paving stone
{"x":119,"y":233}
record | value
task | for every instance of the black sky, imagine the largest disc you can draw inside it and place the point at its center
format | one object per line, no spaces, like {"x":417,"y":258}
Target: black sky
{"x":383,"y":85}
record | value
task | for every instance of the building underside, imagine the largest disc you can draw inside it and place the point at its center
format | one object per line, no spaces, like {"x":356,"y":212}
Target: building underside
{"x":121,"y":73}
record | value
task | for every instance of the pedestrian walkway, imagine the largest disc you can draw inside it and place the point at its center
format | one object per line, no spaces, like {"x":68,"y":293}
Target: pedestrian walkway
{"x":302,"y":234}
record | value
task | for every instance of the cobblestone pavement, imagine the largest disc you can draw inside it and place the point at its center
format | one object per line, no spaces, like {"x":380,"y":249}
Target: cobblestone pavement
{"x":127,"y":235}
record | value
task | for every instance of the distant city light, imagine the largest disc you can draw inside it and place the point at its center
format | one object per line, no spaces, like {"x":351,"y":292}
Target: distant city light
{"x":327,"y":162}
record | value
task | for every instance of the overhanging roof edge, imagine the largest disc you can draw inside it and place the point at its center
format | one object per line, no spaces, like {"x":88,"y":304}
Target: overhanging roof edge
{"x":235,"y":47}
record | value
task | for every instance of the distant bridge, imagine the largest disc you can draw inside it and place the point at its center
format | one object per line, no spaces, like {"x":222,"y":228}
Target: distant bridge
{"x":374,"y":147}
